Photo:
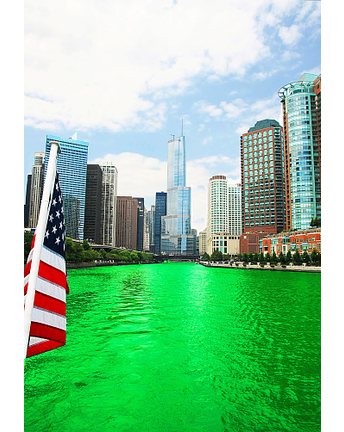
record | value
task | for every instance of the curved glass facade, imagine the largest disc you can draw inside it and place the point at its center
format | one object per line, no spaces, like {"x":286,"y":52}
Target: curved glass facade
{"x":301,"y":109}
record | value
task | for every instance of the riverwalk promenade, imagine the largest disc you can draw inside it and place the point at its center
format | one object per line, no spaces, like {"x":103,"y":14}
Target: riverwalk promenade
{"x":241,"y":266}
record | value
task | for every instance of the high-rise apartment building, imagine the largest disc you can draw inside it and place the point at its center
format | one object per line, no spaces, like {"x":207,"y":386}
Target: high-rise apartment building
{"x":234,"y":209}
{"x":146,"y":239}
{"x":27,"y":201}
{"x":72,"y":168}
{"x":262,"y":179}
{"x":151,"y":228}
{"x":176,"y":237}
{"x":108,"y":218}
{"x":37,"y":184}
{"x":126,"y":222}
{"x":93,"y":202}
{"x":224,"y":215}
{"x":160,"y":211}
{"x":301,"y":102}
{"x":217,"y":205}
{"x":202,"y":242}
{"x":140,"y":223}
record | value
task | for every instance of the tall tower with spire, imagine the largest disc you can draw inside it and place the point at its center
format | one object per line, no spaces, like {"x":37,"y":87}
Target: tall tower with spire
{"x":176,"y":237}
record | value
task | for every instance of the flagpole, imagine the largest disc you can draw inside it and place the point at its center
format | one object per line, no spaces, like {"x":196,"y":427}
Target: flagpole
{"x":39,"y":238}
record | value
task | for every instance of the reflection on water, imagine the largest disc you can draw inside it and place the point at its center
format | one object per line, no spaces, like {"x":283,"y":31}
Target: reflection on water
{"x":181,"y":347}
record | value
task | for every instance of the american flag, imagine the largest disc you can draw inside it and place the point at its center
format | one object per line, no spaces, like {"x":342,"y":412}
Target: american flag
{"x":48,"y":321}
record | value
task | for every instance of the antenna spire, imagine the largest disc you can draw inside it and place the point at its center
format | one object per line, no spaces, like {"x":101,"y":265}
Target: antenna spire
{"x":182,"y":127}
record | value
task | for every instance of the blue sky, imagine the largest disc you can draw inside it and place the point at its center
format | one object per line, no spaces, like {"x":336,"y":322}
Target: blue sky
{"x":123,"y":74}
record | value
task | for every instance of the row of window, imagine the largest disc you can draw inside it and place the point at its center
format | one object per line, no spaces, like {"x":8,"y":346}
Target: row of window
{"x":260,"y":223}
{"x":301,"y":248}
{"x":260,"y":147}
{"x":256,"y":178}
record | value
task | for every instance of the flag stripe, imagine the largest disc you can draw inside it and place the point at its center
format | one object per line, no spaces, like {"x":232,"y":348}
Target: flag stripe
{"x":36,"y":340}
{"x":40,"y":330}
{"x":51,"y":258}
{"x":42,"y":316}
{"x":44,"y":301}
{"x":45,"y":287}
{"x":42,"y":347}
{"x":48,"y":273}
{"x":52,"y":274}
{"x":27,"y":271}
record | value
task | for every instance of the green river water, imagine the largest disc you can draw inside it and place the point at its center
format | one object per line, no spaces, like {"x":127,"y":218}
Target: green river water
{"x":181,"y":347}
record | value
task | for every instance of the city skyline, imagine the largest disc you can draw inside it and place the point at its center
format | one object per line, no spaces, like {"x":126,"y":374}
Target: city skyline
{"x":154,"y":80}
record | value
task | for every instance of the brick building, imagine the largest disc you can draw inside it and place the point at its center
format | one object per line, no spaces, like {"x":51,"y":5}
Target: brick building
{"x":263,"y":201}
{"x":302,"y":240}
{"x":126,"y":222}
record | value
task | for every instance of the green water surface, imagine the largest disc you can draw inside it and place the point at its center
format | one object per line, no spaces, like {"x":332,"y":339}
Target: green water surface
{"x":180,"y":347}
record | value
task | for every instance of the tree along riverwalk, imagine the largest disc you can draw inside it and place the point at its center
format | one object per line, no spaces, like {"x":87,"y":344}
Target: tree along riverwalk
{"x":241,"y":266}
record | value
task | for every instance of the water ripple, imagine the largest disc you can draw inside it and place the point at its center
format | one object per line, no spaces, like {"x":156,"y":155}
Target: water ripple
{"x":181,"y":347}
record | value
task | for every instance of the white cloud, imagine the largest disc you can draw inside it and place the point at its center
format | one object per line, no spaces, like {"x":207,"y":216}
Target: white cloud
{"x":209,"y":109}
{"x":234,"y":109}
{"x":104,"y":64}
{"x":207,"y":140}
{"x":289,"y":55}
{"x":290,"y":35}
{"x":242,"y":111}
{"x":259,"y":110}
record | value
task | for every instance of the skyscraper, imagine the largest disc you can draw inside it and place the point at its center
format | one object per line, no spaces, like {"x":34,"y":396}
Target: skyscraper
{"x":202,"y":242}
{"x":160,"y":211}
{"x":151,"y":227}
{"x":93,"y":204}
{"x":72,"y":168}
{"x":217,"y":205}
{"x":262,"y":183}
{"x":140,"y":223}
{"x":176,"y":237}
{"x":108,"y":204}
{"x":234,"y":209}
{"x":301,"y":102}
{"x":224,"y":216}
{"x":27,"y":200}
{"x":126,"y":222}
{"x":146,"y":230}
{"x":37,"y":184}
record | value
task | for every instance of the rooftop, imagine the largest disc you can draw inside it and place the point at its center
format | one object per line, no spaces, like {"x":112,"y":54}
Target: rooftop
{"x":264,"y":124}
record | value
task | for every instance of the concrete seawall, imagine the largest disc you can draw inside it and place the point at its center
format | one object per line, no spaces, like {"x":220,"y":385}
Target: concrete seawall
{"x":88,"y":264}
{"x":308,"y":269}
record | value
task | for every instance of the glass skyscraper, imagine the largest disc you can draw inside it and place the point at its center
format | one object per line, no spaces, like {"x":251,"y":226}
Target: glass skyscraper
{"x":72,"y":169}
{"x":93,"y":203}
{"x":140,"y":223}
{"x":160,"y":211}
{"x":176,"y":237}
{"x":302,"y":141}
